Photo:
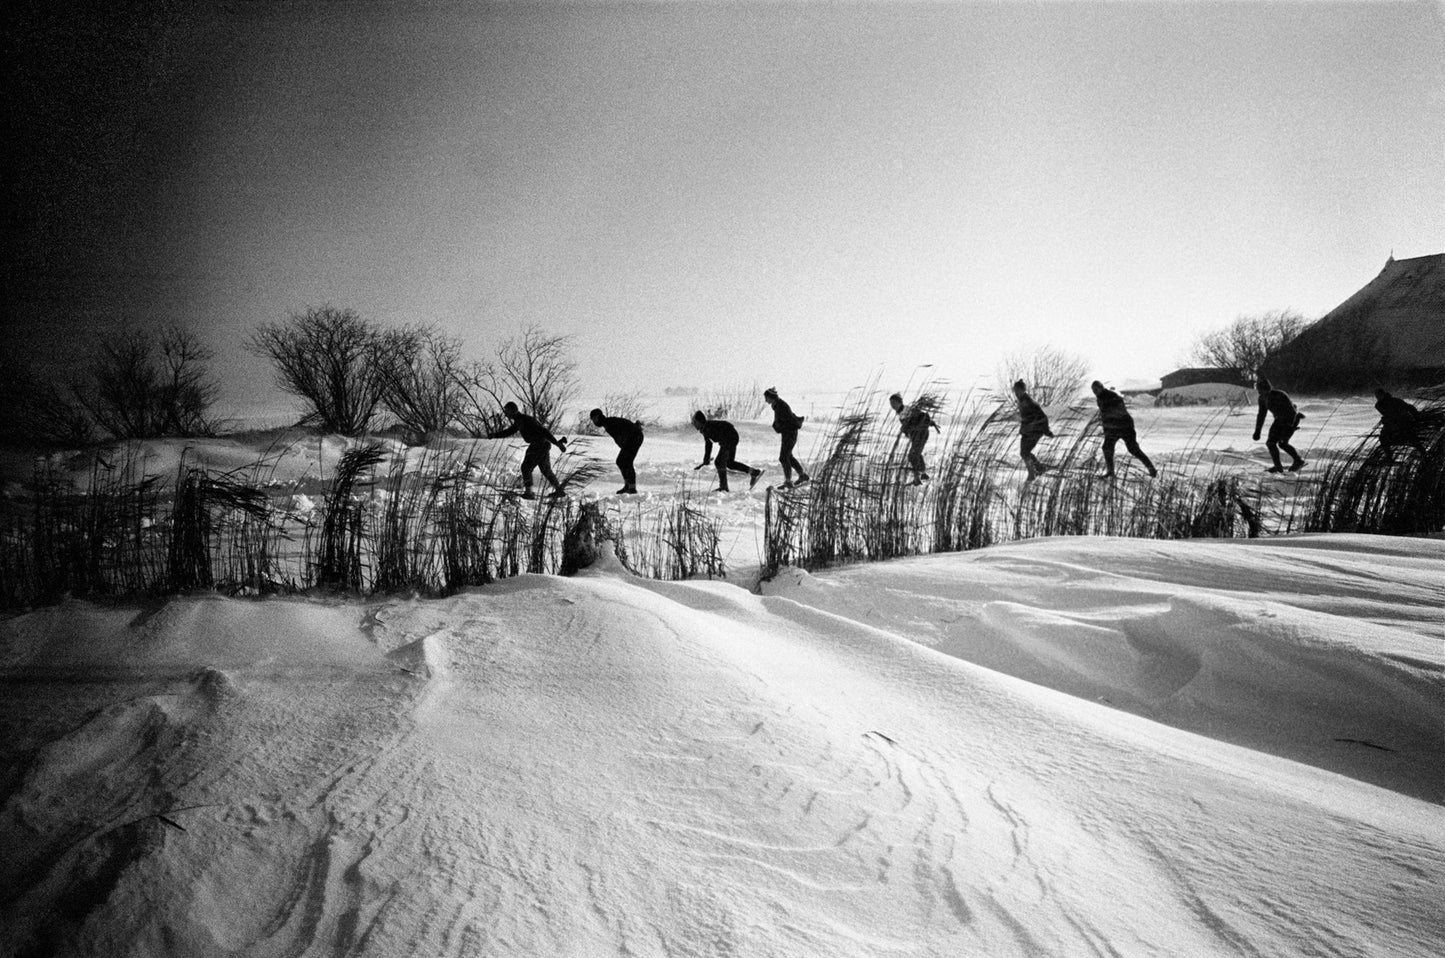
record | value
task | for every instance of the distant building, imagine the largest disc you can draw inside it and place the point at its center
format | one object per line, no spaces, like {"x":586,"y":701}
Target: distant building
{"x":1194,"y":375}
{"x":1390,"y":333}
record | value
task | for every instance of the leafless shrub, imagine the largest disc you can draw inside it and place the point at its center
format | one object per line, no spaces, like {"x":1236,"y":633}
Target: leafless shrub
{"x":739,"y":401}
{"x":1054,"y":375}
{"x":535,"y":369}
{"x":333,"y":361}
{"x":1246,"y":344}
{"x":142,"y":384}
{"x":422,"y":381}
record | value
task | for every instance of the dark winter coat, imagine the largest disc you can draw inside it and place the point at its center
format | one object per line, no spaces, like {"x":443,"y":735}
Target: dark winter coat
{"x":915,"y":423}
{"x":1276,"y":402}
{"x":1033,"y":421}
{"x":783,"y":418}
{"x":718,"y":431}
{"x":1398,"y":421}
{"x":532,"y":432}
{"x":623,"y":431}
{"x":1114,"y":415}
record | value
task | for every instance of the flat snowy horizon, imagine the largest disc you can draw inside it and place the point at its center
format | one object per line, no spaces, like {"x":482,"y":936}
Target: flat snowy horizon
{"x":1053,"y":747}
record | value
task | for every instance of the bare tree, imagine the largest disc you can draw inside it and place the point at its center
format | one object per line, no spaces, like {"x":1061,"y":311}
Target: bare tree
{"x":1053,"y":375}
{"x":1247,"y":343}
{"x":142,"y":384}
{"x":422,"y":380}
{"x":331,"y":359}
{"x":535,"y":369}
{"x":42,"y":411}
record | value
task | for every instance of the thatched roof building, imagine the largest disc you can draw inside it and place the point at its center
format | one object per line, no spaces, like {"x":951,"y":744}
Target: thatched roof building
{"x":1391,"y":332}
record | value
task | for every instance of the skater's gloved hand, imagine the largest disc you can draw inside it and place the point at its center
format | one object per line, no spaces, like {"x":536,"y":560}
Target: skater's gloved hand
{"x":698,"y":466}
{"x":562,"y":443}
{"x":1256,"y":437}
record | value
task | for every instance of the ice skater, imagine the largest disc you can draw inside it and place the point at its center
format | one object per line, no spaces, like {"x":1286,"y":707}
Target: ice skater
{"x":786,"y":424}
{"x":915,"y":422}
{"x":1033,"y":426}
{"x":628,"y":436}
{"x":723,"y":433}
{"x":1118,"y":424}
{"x":1399,"y":424}
{"x":1286,"y":419}
{"x":539,"y":440}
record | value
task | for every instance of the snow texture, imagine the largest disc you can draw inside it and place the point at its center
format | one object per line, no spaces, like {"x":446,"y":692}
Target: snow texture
{"x":1056,"y":747}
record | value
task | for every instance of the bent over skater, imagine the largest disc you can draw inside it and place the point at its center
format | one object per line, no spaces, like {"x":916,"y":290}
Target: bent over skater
{"x":628,"y":436}
{"x":1118,"y":424}
{"x":915,"y":423}
{"x":1033,"y":426}
{"x":723,"y":433}
{"x":786,"y":424}
{"x":1286,"y":419}
{"x":1399,"y":424}
{"x":539,"y":440}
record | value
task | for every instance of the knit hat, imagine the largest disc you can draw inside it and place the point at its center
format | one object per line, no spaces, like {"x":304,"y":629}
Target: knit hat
{"x":1020,"y":384}
{"x":770,"y":393}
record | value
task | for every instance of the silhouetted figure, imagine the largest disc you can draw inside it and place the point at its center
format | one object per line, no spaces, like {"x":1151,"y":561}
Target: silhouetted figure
{"x":628,"y":436}
{"x":539,"y":440}
{"x":1118,"y":424}
{"x":1033,"y":426}
{"x":915,"y":422}
{"x":721,"y":431}
{"x":786,"y":425}
{"x":1286,"y":419}
{"x":1399,"y":424}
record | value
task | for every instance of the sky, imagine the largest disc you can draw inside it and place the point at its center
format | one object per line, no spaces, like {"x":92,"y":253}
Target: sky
{"x":797,"y":194}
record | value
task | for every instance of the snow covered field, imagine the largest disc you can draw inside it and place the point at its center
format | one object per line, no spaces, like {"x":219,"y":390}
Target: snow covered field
{"x":1073,"y":746}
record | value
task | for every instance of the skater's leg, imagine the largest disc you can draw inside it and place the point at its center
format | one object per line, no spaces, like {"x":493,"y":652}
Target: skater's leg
{"x":1026,"y":453}
{"x":785,"y":455}
{"x":529,"y":464}
{"x":915,"y":459}
{"x":723,"y":461}
{"x":1132,"y":444}
{"x":1109,"y":443}
{"x":625,"y":459}
{"x":544,"y":464}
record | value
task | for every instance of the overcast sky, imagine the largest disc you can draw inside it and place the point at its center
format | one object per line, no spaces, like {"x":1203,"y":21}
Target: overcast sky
{"x":708,"y":193}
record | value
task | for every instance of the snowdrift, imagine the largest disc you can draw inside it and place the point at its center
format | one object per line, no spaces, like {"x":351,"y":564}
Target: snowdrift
{"x":1055,"y":747}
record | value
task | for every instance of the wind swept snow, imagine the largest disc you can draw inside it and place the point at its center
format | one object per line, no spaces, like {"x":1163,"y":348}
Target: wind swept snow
{"x":1058,"y":747}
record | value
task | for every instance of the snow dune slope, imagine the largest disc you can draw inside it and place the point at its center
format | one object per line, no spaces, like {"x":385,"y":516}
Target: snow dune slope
{"x":604,"y":766}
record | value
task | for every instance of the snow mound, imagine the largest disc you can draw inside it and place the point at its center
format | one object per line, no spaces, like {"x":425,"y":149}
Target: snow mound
{"x":606,"y":765}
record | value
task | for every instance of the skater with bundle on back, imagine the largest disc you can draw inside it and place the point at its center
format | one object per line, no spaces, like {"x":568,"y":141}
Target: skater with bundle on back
{"x":628,"y":436}
{"x":915,"y":422}
{"x":1399,"y":424}
{"x":1276,"y":403}
{"x":721,"y":431}
{"x":1033,"y":426}
{"x":539,"y":440}
{"x":786,"y":424}
{"x":1118,"y":424}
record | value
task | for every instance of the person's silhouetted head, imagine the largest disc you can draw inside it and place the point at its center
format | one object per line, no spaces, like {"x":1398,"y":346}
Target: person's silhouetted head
{"x":1263,"y":385}
{"x":896,"y":401}
{"x":771,"y":394}
{"x":1380,"y":393}
{"x":596,"y":417}
{"x":511,"y":410}
{"x":698,"y":419}
{"x":1097,"y":387}
{"x":1020,"y":387}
